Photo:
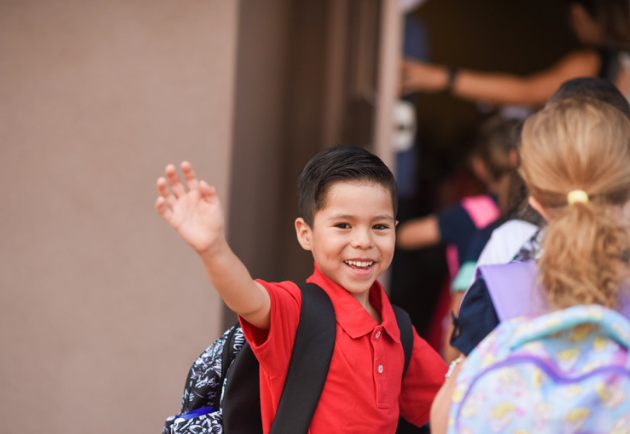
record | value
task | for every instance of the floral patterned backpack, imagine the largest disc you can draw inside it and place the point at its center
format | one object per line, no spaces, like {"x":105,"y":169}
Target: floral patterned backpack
{"x":562,"y":372}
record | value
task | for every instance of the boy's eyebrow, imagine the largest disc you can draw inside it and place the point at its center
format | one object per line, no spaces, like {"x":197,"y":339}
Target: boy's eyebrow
{"x":350,"y":217}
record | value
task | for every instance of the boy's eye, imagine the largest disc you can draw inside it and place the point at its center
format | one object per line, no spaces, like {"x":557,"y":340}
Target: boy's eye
{"x":380,"y":227}
{"x":342,"y":226}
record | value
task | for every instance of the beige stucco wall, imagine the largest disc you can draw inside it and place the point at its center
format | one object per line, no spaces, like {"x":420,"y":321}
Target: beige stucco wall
{"x":103,"y":307}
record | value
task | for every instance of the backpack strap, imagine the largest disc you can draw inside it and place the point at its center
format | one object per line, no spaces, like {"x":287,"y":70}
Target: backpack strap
{"x":242,"y":394}
{"x":406,"y":334}
{"x":406,"y":339}
{"x":310,"y":361}
{"x":226,"y":356}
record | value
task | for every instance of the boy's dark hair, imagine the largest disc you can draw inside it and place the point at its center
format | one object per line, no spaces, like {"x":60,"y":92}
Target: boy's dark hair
{"x":592,"y":87}
{"x":340,"y":164}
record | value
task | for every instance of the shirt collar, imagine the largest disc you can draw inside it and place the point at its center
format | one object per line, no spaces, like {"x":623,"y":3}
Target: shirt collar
{"x":351,"y":316}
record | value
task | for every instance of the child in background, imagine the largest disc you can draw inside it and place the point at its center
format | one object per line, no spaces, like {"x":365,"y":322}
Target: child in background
{"x":503,"y":137}
{"x":347,"y":201}
{"x":518,"y":237}
{"x":493,"y":159}
{"x":575,"y":160}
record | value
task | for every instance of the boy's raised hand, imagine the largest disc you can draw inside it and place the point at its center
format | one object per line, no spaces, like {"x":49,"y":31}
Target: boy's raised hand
{"x":193,"y":209}
{"x":195,"y":212}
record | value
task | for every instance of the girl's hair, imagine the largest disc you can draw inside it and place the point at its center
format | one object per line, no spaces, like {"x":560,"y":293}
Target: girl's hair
{"x":580,"y":144}
{"x":497,"y":136}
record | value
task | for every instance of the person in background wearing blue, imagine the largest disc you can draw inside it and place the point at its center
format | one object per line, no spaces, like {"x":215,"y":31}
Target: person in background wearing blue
{"x":493,"y":159}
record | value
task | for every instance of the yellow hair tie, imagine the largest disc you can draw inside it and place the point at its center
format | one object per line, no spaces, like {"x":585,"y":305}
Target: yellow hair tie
{"x":577,"y":196}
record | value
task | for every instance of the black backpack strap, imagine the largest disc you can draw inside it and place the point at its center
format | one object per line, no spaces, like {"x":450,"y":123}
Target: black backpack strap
{"x":241,"y":399}
{"x":310,"y":361}
{"x":226,"y":357}
{"x":406,"y":339}
{"x":406,"y":334}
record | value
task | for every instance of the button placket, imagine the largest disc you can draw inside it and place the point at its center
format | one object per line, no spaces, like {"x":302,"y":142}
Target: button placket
{"x":380,"y":376}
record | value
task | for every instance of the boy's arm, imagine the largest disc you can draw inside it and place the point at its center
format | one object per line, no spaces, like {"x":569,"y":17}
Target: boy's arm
{"x":195,"y":212}
{"x":422,"y":381}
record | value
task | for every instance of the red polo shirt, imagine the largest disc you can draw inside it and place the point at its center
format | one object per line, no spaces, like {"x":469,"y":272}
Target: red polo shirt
{"x":363,"y":391}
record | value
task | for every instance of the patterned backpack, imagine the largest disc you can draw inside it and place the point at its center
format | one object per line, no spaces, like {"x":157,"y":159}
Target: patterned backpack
{"x":205,"y":385}
{"x":567,"y":371}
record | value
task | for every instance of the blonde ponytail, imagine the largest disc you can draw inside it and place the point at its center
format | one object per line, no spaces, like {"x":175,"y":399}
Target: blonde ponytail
{"x":584,"y":257}
{"x":583,"y":145}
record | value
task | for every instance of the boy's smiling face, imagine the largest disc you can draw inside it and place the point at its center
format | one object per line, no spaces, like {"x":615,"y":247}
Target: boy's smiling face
{"x":353,"y":235}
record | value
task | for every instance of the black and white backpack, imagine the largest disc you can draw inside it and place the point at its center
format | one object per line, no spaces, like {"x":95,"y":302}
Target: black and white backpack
{"x":222,"y":392}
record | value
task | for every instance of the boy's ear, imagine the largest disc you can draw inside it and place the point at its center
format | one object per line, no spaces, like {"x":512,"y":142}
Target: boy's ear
{"x":304,"y":233}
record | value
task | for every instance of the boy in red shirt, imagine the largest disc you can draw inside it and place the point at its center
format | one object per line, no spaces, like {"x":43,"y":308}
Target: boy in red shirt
{"x":347,"y":201}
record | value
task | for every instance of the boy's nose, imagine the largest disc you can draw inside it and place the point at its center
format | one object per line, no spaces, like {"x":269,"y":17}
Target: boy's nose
{"x":362,"y":239}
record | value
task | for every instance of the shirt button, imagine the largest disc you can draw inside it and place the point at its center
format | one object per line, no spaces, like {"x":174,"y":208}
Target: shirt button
{"x":380,"y":369}
{"x":378,"y":335}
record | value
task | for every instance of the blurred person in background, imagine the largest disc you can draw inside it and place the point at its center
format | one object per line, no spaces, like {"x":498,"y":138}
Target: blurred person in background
{"x":493,"y":159}
{"x":520,"y":238}
{"x":602,"y":27}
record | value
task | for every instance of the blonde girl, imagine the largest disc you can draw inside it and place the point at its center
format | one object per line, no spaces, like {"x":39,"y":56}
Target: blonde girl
{"x":575,"y":160}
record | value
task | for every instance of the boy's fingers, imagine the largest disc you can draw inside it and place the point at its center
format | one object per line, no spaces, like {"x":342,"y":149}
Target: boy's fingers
{"x":165,"y":193}
{"x":190,"y":175}
{"x":162,"y":209}
{"x":173,"y":180}
{"x":206,"y":189}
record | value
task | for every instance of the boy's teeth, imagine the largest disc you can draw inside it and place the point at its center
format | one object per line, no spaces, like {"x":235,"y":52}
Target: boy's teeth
{"x":359,"y":264}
